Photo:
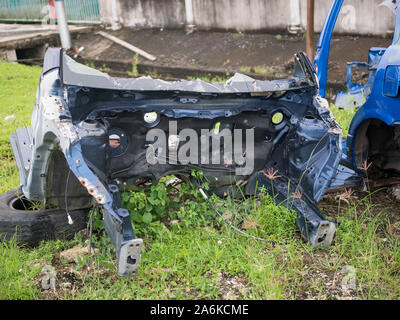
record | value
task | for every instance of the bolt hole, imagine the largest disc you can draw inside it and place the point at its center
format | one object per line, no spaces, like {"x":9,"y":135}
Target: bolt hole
{"x":114,"y":141}
{"x":322,"y":238}
{"x":130,"y":260}
{"x":308,"y":117}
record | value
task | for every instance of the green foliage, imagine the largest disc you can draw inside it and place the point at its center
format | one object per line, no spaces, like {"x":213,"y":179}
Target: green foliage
{"x":18,"y":85}
{"x":246,"y":69}
{"x":212,"y":79}
{"x":145,"y":207}
{"x":165,"y":202}
{"x":90,"y":64}
{"x":239,"y":33}
{"x":135,"y":61}
{"x":256,"y":69}
{"x":343,"y":117}
{"x":17,"y":268}
{"x":104,"y":68}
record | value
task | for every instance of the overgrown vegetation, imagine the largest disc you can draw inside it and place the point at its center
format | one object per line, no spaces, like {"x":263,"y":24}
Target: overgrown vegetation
{"x":211,"y":78}
{"x":135,"y":61}
{"x":190,"y":253}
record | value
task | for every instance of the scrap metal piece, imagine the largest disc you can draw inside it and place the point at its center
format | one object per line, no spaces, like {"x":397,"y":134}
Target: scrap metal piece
{"x":102,"y":128}
{"x":76,"y":74}
{"x":313,"y":226}
{"x":21,"y":142}
{"x":129,"y":257}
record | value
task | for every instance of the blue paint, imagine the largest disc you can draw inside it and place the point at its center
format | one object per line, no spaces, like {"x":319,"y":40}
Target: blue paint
{"x":357,"y":94}
{"x":379,"y":106}
{"x":382,"y":101}
{"x":324,"y":46}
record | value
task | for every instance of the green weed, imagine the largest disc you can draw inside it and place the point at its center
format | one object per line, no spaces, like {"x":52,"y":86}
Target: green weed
{"x":239,"y":33}
{"x":135,"y":61}
{"x":212,"y":79}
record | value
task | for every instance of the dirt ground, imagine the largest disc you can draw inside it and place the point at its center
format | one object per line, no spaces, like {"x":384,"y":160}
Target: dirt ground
{"x":225,"y":51}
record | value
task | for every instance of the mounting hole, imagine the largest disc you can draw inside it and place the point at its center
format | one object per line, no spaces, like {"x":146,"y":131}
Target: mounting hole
{"x":114,"y":141}
{"x":309,"y":117}
{"x":322,"y":238}
{"x":118,"y":142}
{"x":129,"y":260}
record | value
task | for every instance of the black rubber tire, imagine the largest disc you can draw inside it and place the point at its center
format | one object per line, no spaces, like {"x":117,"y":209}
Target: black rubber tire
{"x":33,"y":226}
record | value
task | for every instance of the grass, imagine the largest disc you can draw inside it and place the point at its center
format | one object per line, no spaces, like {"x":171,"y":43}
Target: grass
{"x":212,"y":79}
{"x":18,"y":85}
{"x":256,"y":70}
{"x":343,"y":117}
{"x":135,"y":61}
{"x":189,"y":253}
{"x":239,"y":33}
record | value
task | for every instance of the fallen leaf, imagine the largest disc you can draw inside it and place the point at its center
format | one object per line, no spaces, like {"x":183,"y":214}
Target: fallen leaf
{"x":71,"y":255}
{"x":227,"y":215}
{"x":249,"y":224}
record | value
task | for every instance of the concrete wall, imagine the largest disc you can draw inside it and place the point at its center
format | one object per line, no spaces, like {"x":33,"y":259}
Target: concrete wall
{"x":243,"y":14}
{"x":105,"y":11}
{"x":356,"y":17}
{"x":152,"y":13}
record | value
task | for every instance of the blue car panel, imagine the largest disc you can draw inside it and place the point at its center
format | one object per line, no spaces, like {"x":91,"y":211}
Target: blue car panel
{"x":374,"y":131}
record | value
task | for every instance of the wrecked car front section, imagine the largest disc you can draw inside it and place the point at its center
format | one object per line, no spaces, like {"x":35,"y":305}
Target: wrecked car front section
{"x":113,"y":134}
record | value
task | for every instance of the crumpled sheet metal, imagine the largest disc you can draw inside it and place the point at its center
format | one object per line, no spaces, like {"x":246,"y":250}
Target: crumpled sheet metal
{"x":74,"y":73}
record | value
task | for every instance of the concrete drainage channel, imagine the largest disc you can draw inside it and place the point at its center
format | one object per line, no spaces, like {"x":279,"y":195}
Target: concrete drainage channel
{"x":29,"y":51}
{"x":28,"y":43}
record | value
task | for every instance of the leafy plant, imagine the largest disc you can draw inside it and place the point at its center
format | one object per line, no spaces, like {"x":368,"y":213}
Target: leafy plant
{"x":239,"y":33}
{"x":90,"y":64}
{"x":104,"y":68}
{"x":245,"y":69}
{"x":148,"y":206}
{"x":212,"y":78}
{"x":135,"y":61}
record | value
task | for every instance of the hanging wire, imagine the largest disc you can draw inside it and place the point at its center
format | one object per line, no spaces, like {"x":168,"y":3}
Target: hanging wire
{"x":70,"y":221}
{"x":89,"y":229}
